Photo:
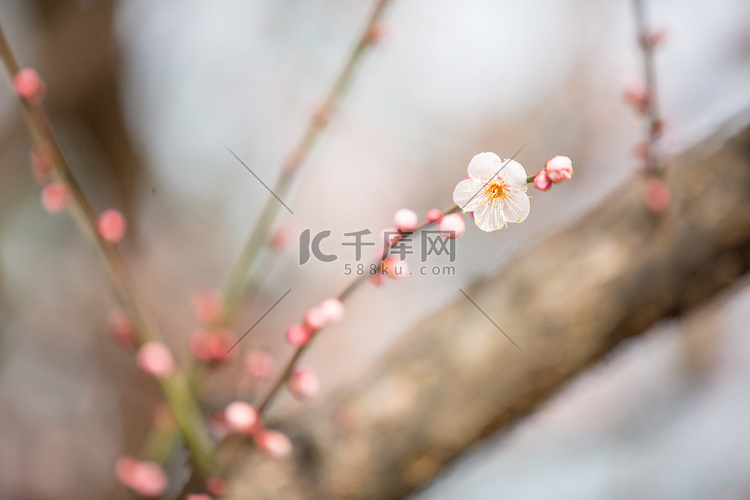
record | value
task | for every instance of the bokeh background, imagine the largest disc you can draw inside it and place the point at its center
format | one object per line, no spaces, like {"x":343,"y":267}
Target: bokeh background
{"x":144,"y":95}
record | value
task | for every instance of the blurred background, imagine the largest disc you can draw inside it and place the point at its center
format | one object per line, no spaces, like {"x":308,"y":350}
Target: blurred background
{"x":144,"y":95}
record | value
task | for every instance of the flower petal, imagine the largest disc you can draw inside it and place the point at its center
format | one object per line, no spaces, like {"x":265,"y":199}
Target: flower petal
{"x":488,"y":217}
{"x":465,"y":191}
{"x":513,"y":173}
{"x":484,"y":166}
{"x":516,"y":206}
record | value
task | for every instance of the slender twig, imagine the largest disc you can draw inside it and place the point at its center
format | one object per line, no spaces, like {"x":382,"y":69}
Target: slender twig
{"x":243,"y":274}
{"x":257,"y":242}
{"x":175,"y":387}
{"x":653,"y":120}
{"x":343,"y":296}
{"x":358,"y":281}
{"x":255,"y":324}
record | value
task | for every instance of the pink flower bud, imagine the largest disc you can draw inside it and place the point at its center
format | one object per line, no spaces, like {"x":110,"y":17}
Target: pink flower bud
{"x":395,"y":268}
{"x":199,"y":496}
{"x":112,"y":225}
{"x":124,"y":467}
{"x":274,"y":443}
{"x":241,"y":418}
{"x":653,"y":38}
{"x":259,"y":364}
{"x":211,"y":346}
{"x":29,"y":86}
{"x":333,"y":309}
{"x":452,"y":226}
{"x":208,"y":306}
{"x":122,"y":328}
{"x":303,"y":383}
{"x":638,"y":94}
{"x":315,"y":319}
{"x":155,"y":359}
{"x":642,"y":150}
{"x":322,"y":115}
{"x":434,"y":215}
{"x":281,"y":236}
{"x":147,"y":479}
{"x":298,"y":335}
{"x":374,"y":34}
{"x":542,"y":181}
{"x":558,"y":168}
{"x":406,"y":220}
{"x":657,"y":127}
{"x":656,"y":194}
{"x":55,"y":197}
{"x":216,"y":485}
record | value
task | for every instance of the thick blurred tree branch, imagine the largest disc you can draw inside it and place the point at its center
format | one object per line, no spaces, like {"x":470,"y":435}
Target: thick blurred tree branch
{"x":455,"y":379}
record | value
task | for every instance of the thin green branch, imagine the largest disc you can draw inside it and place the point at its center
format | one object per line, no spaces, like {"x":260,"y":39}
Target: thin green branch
{"x":175,"y":388}
{"x":243,"y":274}
{"x":257,"y":243}
{"x":343,"y":296}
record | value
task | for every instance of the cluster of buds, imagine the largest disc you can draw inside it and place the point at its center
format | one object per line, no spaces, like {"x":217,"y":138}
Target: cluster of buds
{"x":56,"y":196}
{"x":212,"y":346}
{"x":242,"y":419}
{"x":406,"y":222}
{"x":641,"y":94}
{"x":328,"y":311}
{"x":210,"y":343}
{"x":638,"y":92}
{"x":257,"y":366}
{"x":556,"y":170}
{"x":149,"y":479}
{"x":303,"y":382}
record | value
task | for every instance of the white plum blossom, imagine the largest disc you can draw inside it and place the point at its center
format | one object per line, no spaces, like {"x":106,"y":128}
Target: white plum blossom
{"x":495,"y":191}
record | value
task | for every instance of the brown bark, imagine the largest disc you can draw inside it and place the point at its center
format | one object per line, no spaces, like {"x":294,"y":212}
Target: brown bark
{"x":567,"y":302}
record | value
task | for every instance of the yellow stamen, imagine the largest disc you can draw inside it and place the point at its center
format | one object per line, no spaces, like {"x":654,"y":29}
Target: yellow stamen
{"x":495,"y":191}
